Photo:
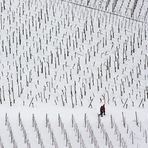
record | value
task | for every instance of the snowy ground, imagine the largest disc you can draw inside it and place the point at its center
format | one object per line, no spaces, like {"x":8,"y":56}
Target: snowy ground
{"x":61,"y":60}
{"x":100,"y":132}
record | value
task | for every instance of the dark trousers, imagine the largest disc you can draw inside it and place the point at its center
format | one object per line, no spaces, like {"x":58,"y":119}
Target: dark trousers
{"x":102,"y":113}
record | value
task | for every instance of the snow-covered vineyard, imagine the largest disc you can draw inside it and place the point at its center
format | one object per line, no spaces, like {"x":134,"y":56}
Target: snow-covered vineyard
{"x":60,"y":60}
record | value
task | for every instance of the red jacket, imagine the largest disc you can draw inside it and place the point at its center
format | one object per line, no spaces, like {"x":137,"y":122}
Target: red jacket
{"x":102,"y":109}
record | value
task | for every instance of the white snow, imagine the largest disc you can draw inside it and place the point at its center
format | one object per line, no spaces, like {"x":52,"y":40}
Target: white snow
{"x":60,"y":60}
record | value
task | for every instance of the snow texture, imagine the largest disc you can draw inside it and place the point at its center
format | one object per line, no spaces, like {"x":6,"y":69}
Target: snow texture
{"x":60,"y":60}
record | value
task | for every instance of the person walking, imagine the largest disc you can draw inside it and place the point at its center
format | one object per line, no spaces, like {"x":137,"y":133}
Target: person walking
{"x":102,"y":110}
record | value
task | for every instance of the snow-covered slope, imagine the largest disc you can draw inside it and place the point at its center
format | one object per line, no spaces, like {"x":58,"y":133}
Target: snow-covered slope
{"x":61,"y":60}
